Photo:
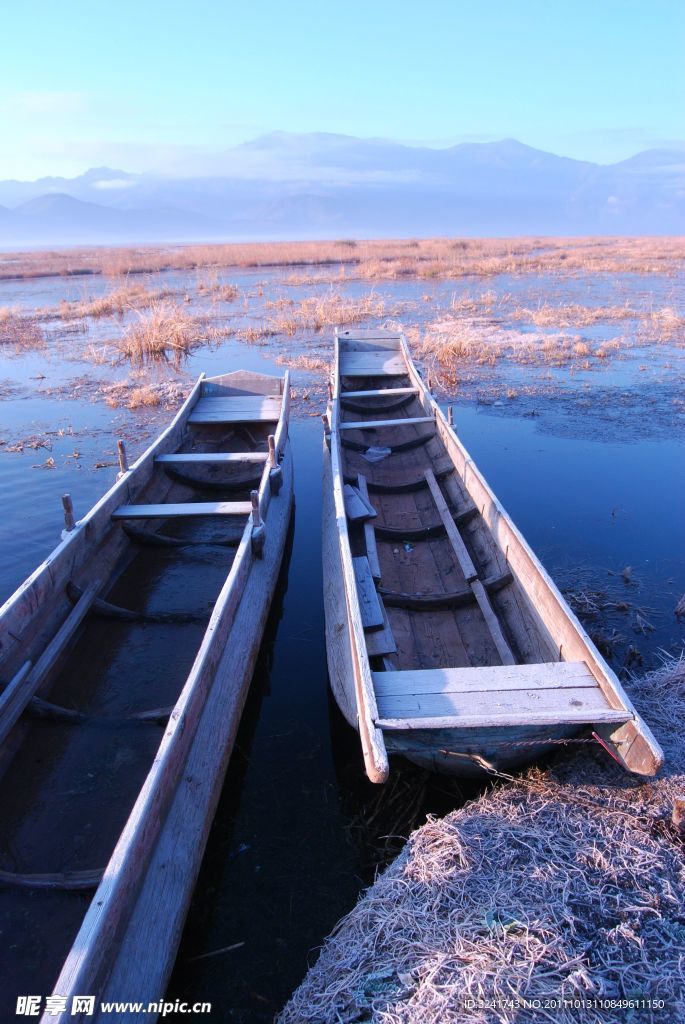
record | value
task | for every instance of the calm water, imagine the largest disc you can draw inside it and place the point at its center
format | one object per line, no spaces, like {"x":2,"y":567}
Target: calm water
{"x":299,"y":832}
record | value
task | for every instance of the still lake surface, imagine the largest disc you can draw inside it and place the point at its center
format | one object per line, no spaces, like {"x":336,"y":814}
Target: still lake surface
{"x":297,"y":833}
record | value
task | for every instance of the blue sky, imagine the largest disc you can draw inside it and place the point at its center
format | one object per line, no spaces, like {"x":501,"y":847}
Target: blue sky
{"x":149,"y":85}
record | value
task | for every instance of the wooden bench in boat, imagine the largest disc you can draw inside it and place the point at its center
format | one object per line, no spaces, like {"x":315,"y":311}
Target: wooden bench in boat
{"x":249,"y":409}
{"x":374,"y":424}
{"x":212,"y":457}
{"x":379,"y":393}
{"x":388,"y":363}
{"x":557,"y":693}
{"x":197,"y":508}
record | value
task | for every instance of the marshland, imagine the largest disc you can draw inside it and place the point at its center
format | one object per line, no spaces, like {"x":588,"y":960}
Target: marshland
{"x":564,"y":361}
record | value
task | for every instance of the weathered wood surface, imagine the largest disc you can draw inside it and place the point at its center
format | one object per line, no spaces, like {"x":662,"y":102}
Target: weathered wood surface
{"x":197,"y":508}
{"x":380,"y":642}
{"x":554,"y":675}
{"x":369,"y":532}
{"x":356,"y":508}
{"x":379,"y":393}
{"x":376,"y":424}
{"x":369,"y":605}
{"x":212,"y":457}
{"x":372,"y":364}
{"x":350,"y":656}
{"x":236,"y":410}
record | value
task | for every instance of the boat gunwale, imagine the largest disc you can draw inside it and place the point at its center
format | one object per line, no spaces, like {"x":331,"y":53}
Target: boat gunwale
{"x":373,"y":744}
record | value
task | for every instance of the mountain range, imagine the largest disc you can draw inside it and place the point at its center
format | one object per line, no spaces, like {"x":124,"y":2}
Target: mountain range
{"x":318,"y":185}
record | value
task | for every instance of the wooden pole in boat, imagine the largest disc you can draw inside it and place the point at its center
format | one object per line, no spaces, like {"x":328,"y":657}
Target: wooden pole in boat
{"x":330,"y":392}
{"x":326,"y":430}
{"x":450,"y":415}
{"x":68,"y":506}
{"x":258,"y":528}
{"x":123,"y":457}
{"x":275,"y":473}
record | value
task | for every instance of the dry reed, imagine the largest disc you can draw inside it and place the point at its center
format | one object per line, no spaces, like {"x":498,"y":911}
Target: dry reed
{"x":20,"y":330}
{"x":317,"y":312}
{"x":376,"y":259}
{"x":166,"y":333}
{"x":563,"y":885}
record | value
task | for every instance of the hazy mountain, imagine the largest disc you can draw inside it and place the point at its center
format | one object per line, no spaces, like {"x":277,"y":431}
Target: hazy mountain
{"x":322,"y":185}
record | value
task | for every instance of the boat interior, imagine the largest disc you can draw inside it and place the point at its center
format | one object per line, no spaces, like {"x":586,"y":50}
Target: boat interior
{"x":436,"y":593}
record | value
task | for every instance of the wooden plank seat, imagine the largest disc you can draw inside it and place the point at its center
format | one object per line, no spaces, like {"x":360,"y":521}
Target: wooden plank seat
{"x":379,"y":393}
{"x":375,"y":424}
{"x":212,"y":457}
{"x":248,"y":409}
{"x":557,"y":693}
{"x":197,"y":508}
{"x":380,"y":363}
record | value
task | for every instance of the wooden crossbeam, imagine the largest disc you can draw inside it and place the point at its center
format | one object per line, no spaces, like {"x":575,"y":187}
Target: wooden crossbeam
{"x":375,"y":424}
{"x":379,"y":393}
{"x":190,"y":509}
{"x":211,"y":457}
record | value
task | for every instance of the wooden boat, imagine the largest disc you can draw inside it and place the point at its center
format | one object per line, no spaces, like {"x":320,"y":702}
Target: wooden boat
{"x":447,"y":641}
{"x":80,"y":666}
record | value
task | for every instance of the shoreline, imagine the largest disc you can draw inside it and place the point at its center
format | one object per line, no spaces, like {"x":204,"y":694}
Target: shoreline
{"x":553,"y":893}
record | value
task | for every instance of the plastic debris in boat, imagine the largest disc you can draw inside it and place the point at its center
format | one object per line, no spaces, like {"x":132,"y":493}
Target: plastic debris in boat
{"x":376,"y":454}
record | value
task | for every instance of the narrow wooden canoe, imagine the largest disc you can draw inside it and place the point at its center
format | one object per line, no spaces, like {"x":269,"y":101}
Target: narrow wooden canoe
{"x":447,"y":641}
{"x":159,"y":595}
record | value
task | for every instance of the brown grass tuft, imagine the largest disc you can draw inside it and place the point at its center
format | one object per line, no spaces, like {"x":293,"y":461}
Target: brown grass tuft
{"x":167,"y":333}
{"x":20,"y":330}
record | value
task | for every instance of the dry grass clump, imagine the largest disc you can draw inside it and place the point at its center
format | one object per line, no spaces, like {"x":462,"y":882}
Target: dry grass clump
{"x":375,"y":259}
{"x":20,"y":330}
{"x":574,"y":315}
{"x":303,"y":362}
{"x":115,"y":303}
{"x":166,"y":333}
{"x":134,"y":394}
{"x":316,"y":312}
{"x":225,"y":293}
{"x":563,"y":885}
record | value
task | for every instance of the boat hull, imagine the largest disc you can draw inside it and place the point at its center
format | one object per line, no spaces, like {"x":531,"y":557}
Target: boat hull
{"x":447,"y":641}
